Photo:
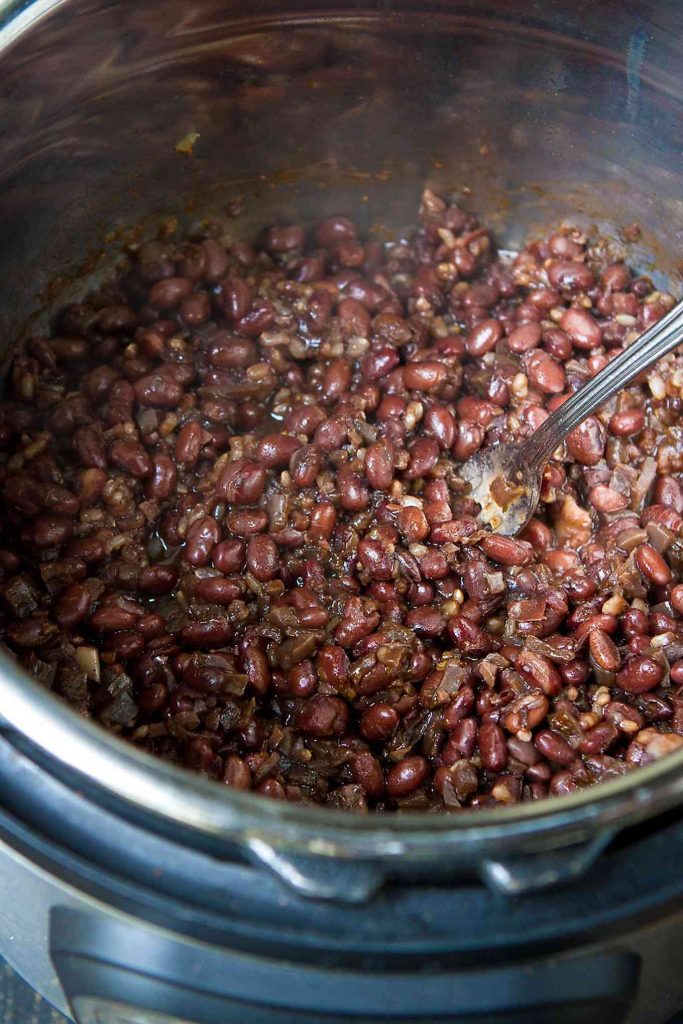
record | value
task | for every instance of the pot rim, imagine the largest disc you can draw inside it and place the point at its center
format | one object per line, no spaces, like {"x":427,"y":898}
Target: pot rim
{"x":130,"y":775}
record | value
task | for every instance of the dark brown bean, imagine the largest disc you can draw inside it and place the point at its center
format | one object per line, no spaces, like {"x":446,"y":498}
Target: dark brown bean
{"x":74,"y":605}
{"x":569,"y":275}
{"x":130,"y":457}
{"x":586,"y":442}
{"x":379,"y":722}
{"x":263,"y":560}
{"x":275,"y":450}
{"x":406,"y":776}
{"x":51,"y":531}
{"x":554,"y":747}
{"x":492,"y":747}
{"x":333,"y":230}
{"x":368,"y":774}
{"x":282,"y":239}
{"x":640,"y":674}
{"x":241,"y":482}
{"x":163,"y":481}
{"x":90,"y":448}
{"x":484,"y":337}
{"x":323,"y":716}
{"x":169,"y":292}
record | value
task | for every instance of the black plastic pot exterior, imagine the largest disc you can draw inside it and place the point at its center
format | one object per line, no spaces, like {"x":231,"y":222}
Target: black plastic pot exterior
{"x":532,"y":112}
{"x":98,"y":911}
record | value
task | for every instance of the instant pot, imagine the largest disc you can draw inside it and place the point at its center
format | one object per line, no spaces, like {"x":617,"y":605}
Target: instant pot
{"x":132,"y":892}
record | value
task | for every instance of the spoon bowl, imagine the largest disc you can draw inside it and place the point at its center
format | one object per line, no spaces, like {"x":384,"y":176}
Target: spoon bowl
{"x":505,"y":480}
{"x":505,"y":487}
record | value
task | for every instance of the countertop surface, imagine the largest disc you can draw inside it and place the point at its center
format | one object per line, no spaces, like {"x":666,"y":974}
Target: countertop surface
{"x":19,"y":1004}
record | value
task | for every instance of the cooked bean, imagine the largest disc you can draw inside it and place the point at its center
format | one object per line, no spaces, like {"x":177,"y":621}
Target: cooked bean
{"x":233,"y":499}
{"x":406,"y":776}
{"x":652,"y":565}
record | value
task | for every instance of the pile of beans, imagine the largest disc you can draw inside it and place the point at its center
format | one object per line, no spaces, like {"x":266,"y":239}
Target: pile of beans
{"x":234,"y":531}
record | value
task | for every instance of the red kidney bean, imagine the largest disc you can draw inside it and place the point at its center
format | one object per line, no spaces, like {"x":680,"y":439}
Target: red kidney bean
{"x":130,"y":457}
{"x":586,"y":443}
{"x":263,"y":560}
{"x":525,"y":712}
{"x":158,"y":390}
{"x":188,"y":444}
{"x":379,"y":464}
{"x":74,"y":605}
{"x":323,"y":716}
{"x":424,"y":376}
{"x":354,"y":318}
{"x":353,"y":494}
{"x":406,"y":776}
{"x":163,"y":481}
{"x":333,"y":230}
{"x":652,"y":565}
{"x":276,"y":450}
{"x":469,"y":437}
{"x":109,"y":620}
{"x":379,"y":722}
{"x":209,"y":633}
{"x":247,"y":522}
{"x":484,"y":337}
{"x":51,"y":531}
{"x":424,"y":455}
{"x":242,"y":482}
{"x":599,"y":739}
{"x":627,"y":423}
{"x":570,"y":275}
{"x":439,"y":423}
{"x":554,"y":747}
{"x":468,"y":637}
{"x":169,"y":292}
{"x":202,"y":536}
{"x":506,"y":550}
{"x":90,"y":448}
{"x":524,"y":338}
{"x":158,"y":579}
{"x":546,"y":374}
{"x":367,"y":772}
{"x":492,"y":747}
{"x":604,"y":650}
{"x":640,"y":674}
{"x":580,"y":326}
{"x":282,"y":239}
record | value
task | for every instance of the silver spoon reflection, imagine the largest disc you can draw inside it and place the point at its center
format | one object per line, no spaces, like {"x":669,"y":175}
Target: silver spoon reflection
{"x":505,"y":480}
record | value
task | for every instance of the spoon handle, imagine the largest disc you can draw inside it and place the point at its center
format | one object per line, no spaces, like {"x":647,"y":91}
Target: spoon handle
{"x":654,"y":343}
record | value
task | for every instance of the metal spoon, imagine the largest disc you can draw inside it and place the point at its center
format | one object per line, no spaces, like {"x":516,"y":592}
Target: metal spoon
{"x":506,"y":480}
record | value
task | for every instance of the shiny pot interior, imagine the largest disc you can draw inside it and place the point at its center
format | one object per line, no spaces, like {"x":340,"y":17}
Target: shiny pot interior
{"x":530,"y":113}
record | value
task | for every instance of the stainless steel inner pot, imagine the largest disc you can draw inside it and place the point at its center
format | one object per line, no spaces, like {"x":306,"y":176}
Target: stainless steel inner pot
{"x":531,"y":112}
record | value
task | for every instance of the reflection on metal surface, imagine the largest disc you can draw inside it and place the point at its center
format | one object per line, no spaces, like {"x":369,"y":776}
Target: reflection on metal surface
{"x":105,"y":1011}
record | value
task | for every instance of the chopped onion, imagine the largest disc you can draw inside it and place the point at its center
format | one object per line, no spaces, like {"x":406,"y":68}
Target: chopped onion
{"x":88,"y":659}
{"x":660,"y":537}
{"x":530,"y":610}
{"x":642,"y":485}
